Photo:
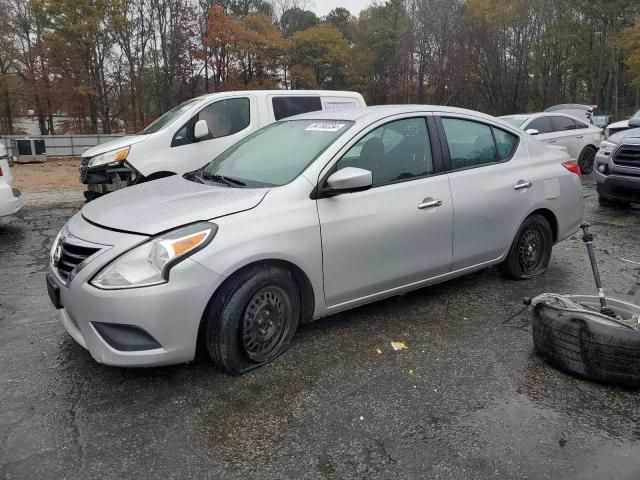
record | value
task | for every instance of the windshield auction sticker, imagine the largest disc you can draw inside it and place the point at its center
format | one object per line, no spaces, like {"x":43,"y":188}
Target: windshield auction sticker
{"x":324,"y":127}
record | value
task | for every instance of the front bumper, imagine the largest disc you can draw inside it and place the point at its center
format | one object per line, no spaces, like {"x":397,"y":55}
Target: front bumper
{"x":108,"y":178}
{"x":169,"y":313}
{"x":624,"y":188}
{"x":10,"y":200}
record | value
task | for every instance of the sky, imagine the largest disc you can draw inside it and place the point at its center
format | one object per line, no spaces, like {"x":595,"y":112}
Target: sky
{"x":322,"y":7}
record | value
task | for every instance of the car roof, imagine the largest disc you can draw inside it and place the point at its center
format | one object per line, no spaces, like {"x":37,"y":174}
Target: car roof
{"x":544,"y":114}
{"x":372,"y":114}
{"x":262,"y":93}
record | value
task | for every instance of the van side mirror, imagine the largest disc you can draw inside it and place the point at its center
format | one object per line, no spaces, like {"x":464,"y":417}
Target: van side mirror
{"x":532,"y":131}
{"x":200,"y":130}
{"x":348,"y":180}
{"x":634,"y":123}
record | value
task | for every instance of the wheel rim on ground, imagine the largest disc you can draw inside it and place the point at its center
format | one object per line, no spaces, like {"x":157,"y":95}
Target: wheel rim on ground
{"x":266,"y":324}
{"x":531,"y":250}
{"x":586,"y":160}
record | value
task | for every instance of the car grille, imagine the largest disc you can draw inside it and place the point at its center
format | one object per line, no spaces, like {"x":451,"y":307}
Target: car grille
{"x":69,"y":256}
{"x":627,"y":156}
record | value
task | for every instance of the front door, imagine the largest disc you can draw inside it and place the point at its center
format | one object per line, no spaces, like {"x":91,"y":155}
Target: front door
{"x":229,"y":121}
{"x":398,"y":232}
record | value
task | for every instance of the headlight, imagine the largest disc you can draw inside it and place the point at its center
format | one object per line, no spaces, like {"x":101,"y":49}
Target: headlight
{"x":113,"y":156}
{"x":607,"y":147}
{"x":149,"y":264}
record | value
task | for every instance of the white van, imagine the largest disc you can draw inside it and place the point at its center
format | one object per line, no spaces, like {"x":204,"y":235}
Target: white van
{"x":195,"y":132}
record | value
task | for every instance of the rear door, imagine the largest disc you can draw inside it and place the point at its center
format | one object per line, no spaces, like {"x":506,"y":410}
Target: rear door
{"x":492,"y":187}
{"x":566,"y":134}
{"x":398,"y":232}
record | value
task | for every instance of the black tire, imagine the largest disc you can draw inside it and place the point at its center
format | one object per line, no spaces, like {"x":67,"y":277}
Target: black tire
{"x":530,"y":252}
{"x":586,"y":348}
{"x":586,"y":159}
{"x":253,"y":319}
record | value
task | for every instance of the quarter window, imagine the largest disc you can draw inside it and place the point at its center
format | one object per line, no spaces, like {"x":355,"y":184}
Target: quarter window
{"x":284,"y":107}
{"x":470,"y":143}
{"x":506,"y":143}
{"x":397,"y":151}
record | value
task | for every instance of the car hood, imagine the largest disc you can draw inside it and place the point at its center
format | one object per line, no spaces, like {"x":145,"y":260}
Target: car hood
{"x":114,"y":145}
{"x":627,"y":136}
{"x":161,"y":205}
{"x":622,"y":124}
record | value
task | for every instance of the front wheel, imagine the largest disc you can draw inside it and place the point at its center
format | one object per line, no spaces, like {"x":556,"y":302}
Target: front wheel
{"x":253,"y":319}
{"x":530,"y":252}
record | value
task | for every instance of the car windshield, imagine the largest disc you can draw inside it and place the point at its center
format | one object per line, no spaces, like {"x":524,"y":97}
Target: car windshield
{"x":636,"y":115}
{"x":276,"y":154}
{"x":169,"y":117}
{"x":515,"y":121}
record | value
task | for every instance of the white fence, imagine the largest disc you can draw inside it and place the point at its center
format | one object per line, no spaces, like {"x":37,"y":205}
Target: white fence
{"x":62,"y":145}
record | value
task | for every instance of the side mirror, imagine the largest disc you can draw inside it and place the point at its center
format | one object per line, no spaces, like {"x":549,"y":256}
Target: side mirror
{"x":347,"y":180}
{"x":634,"y":123}
{"x":532,"y":131}
{"x":200,"y":130}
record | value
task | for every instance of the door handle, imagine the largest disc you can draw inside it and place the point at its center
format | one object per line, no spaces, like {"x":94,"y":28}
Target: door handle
{"x":430,"y":204}
{"x":523,"y":186}
{"x":552,"y":141}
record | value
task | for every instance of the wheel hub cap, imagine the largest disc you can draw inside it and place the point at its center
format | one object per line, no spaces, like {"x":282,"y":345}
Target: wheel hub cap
{"x":266,"y":324}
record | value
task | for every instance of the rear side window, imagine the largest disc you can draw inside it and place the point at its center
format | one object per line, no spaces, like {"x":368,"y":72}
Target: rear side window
{"x":284,"y":107}
{"x":561,"y":124}
{"x":470,"y":143}
{"x":542,"y":125}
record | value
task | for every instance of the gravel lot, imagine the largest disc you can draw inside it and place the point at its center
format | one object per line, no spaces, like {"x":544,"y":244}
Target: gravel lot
{"x":467,"y":399}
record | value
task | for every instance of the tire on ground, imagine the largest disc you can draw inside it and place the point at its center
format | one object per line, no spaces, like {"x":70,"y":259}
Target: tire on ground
{"x":224,"y":318}
{"x":511,"y":267}
{"x":586,"y":348}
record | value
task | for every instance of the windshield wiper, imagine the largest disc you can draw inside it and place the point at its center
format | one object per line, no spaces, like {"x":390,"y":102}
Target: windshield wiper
{"x":232,"y":182}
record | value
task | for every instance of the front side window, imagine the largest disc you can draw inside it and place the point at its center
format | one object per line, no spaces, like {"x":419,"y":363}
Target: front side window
{"x":226,"y":117}
{"x":470,"y":143}
{"x":541,"y":124}
{"x":562,"y":124}
{"x":397,"y":151}
{"x":284,"y":107}
{"x":277,"y":153}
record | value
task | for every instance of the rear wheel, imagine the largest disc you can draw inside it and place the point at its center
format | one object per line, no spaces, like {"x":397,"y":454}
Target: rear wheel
{"x":253,"y":319}
{"x":530,"y":252}
{"x":585,"y":160}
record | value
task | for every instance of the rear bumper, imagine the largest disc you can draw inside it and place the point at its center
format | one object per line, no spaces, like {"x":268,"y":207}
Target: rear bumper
{"x":618,"y":187}
{"x":10,"y":200}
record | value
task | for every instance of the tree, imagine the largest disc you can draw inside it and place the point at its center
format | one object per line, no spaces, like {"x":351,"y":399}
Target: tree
{"x":341,"y":19}
{"x":297,"y":20}
{"x":322,"y":49}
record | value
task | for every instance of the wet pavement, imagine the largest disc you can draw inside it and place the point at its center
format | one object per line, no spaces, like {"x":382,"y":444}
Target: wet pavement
{"x":467,"y":399}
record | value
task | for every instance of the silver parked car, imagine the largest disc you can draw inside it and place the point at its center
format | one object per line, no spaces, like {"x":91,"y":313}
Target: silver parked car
{"x":581,"y":139}
{"x":304,"y":218}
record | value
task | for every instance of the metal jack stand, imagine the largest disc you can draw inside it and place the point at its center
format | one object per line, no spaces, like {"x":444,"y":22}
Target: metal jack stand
{"x":587,"y":238}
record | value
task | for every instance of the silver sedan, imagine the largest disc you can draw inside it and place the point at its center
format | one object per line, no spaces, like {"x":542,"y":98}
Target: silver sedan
{"x":302,"y":219}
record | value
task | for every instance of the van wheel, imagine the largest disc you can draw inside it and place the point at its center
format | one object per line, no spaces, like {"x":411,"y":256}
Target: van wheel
{"x":253,"y":319}
{"x":585,"y":160}
{"x":530,"y":252}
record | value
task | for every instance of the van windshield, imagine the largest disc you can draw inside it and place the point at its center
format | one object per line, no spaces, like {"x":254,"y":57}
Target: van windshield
{"x":275,"y":154}
{"x":169,"y":117}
